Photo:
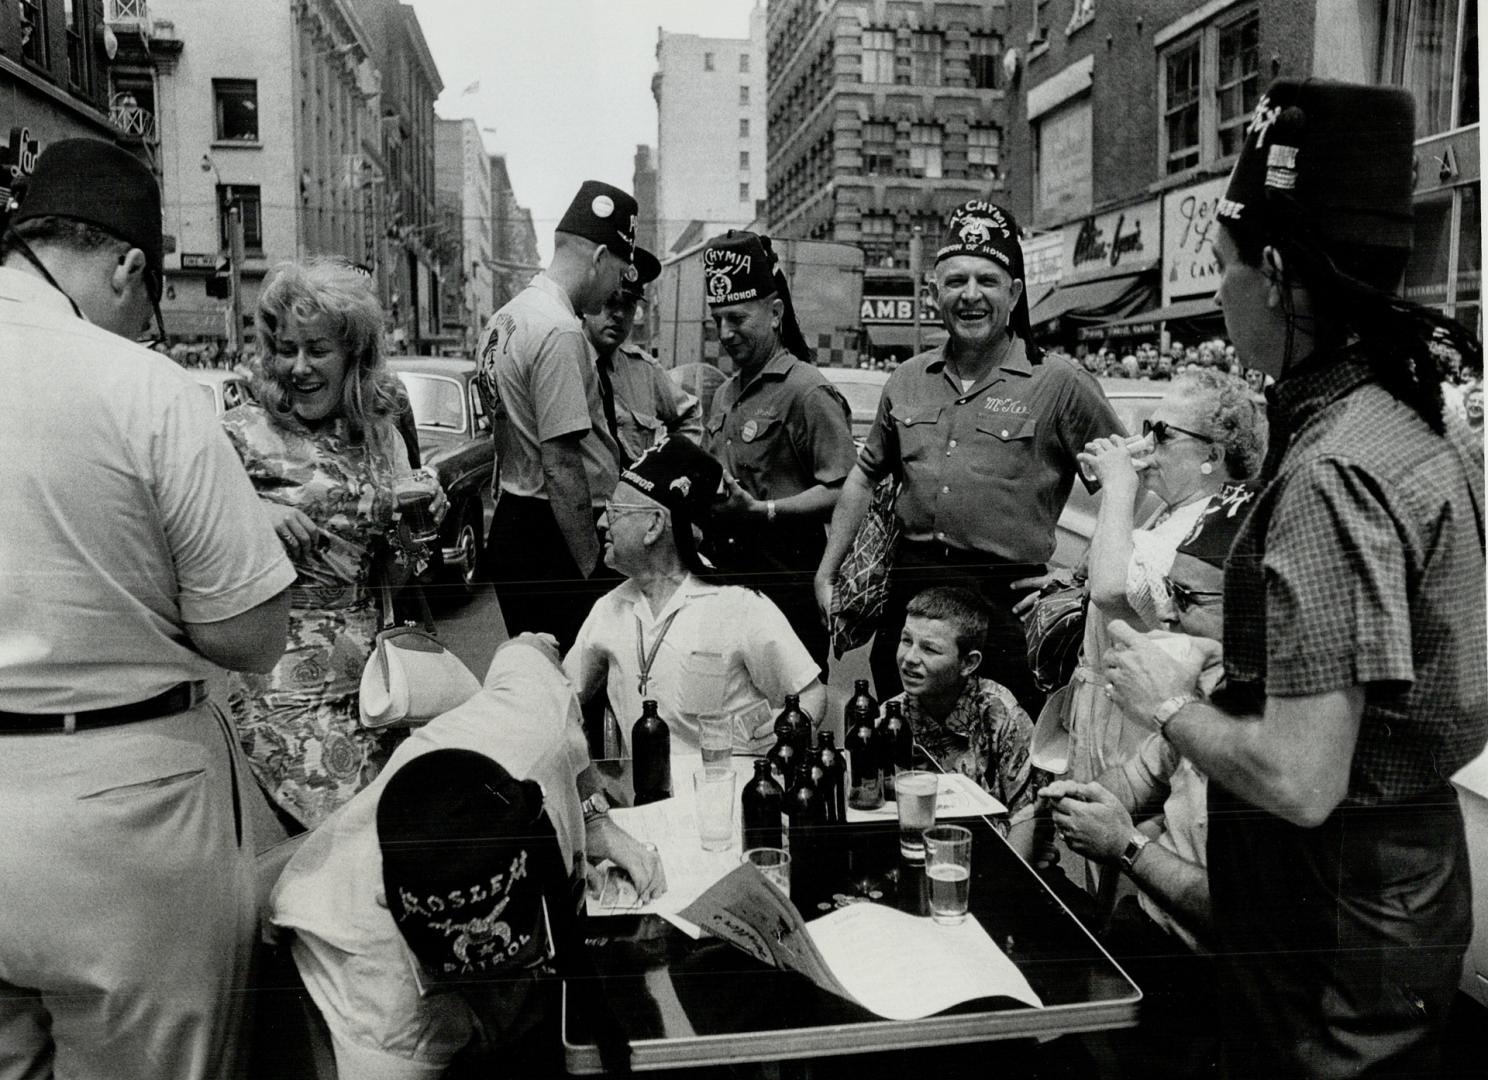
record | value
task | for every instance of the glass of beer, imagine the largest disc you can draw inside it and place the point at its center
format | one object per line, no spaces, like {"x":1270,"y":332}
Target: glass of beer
{"x":774,"y":863}
{"x":716,"y":738}
{"x":713,"y":790}
{"x":948,"y":866}
{"x":916,"y":802}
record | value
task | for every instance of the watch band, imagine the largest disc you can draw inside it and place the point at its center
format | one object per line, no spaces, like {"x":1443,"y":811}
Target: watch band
{"x":770,"y":510}
{"x":1168,"y":709}
{"x":595,"y":806}
{"x":1134,"y":848}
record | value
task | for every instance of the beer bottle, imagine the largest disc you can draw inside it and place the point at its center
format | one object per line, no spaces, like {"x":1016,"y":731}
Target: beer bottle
{"x":833,"y":775}
{"x":763,"y":804}
{"x":866,"y":762}
{"x":651,"y":753}
{"x":896,"y":743}
{"x":807,"y":818}
{"x":860,"y":705}
{"x":783,"y":760}
{"x":794,"y":725}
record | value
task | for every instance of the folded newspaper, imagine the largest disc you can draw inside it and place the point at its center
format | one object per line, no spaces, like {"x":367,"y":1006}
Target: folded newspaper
{"x":896,"y":965}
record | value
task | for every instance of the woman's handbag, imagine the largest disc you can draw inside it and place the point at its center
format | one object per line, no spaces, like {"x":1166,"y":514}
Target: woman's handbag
{"x":862,"y":585}
{"x":410,"y":679}
{"x":1055,"y":630}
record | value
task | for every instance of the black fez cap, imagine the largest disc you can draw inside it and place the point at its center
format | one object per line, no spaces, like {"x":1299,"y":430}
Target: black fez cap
{"x":739,"y":266}
{"x":645,"y":269}
{"x":1214,"y":533}
{"x":982,"y":228}
{"x":1339,"y":155}
{"x":685,"y":480}
{"x":97,"y":182}
{"x":467,"y":854}
{"x":605,"y":214}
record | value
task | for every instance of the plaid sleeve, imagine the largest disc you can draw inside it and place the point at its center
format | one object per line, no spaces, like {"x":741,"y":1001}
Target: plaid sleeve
{"x":1337,"y":609}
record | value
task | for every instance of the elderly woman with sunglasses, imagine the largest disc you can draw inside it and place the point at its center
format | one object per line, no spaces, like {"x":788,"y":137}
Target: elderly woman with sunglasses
{"x":323,"y":450}
{"x":1206,"y":431}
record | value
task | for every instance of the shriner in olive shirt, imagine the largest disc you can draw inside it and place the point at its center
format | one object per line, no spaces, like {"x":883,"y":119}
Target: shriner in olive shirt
{"x":981,"y":434}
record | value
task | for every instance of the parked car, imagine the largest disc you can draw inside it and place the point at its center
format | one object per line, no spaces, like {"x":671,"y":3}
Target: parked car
{"x":457,"y":442}
{"x":862,"y":387}
{"x":227,"y":389}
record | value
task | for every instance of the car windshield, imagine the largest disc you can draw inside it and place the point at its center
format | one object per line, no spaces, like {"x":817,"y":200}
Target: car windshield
{"x":862,"y":397}
{"x":437,"y":402}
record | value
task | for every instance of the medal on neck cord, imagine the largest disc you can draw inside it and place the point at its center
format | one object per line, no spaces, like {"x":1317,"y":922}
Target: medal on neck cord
{"x":646,"y":657}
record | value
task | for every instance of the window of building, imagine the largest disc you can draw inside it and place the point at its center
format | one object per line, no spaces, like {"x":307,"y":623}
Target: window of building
{"x":984,"y":151}
{"x":707,"y":61}
{"x":75,"y":13}
{"x":878,"y":148}
{"x":237,"y":109}
{"x":744,"y":128}
{"x":924,"y":151}
{"x":247,"y":198}
{"x":928,"y":46}
{"x":743,"y":95}
{"x":1038,"y":30}
{"x":33,"y":31}
{"x":744,"y":191}
{"x":877,"y":239}
{"x":878,"y":56}
{"x":1430,"y":47}
{"x":132,"y":104}
{"x":743,"y":63}
{"x":743,"y":159}
{"x":1210,"y":81}
{"x":985,"y":60}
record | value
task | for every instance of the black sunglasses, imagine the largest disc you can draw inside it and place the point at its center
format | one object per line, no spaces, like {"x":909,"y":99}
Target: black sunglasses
{"x":1185,"y":598}
{"x":1160,"y":430}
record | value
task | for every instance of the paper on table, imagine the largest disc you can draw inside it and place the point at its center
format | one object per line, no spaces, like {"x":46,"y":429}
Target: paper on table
{"x":903,"y":967}
{"x":955,"y":796}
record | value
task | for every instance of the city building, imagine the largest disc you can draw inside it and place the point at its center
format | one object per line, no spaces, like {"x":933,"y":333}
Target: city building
{"x":417,"y":241}
{"x":462,"y":176}
{"x":514,"y":255}
{"x":883,"y":116}
{"x":269,"y":111}
{"x":710,"y":150}
{"x":1128,"y":115}
{"x":643,"y":186}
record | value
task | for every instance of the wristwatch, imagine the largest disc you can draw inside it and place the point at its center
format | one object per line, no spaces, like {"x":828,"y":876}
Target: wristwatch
{"x":770,"y":510}
{"x":595,"y":806}
{"x":1134,"y":848}
{"x":1168,"y":709}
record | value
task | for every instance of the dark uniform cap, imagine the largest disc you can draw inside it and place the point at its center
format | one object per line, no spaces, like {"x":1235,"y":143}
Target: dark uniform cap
{"x":467,"y":855}
{"x":1341,"y":153}
{"x":685,"y":480}
{"x":737,"y":267}
{"x":1214,"y":533}
{"x":605,"y":214}
{"x":645,"y":269}
{"x":96,"y":182}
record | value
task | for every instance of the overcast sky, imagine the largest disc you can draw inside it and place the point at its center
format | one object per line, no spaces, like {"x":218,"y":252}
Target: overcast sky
{"x":565,"y":84}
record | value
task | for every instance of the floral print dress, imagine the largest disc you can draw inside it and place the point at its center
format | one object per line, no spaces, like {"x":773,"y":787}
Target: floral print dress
{"x":299,"y":724}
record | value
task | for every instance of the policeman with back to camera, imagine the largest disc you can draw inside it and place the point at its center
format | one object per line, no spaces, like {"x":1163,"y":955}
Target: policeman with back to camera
{"x":642,"y":405}
{"x":982,"y":434}
{"x":781,"y":430}
{"x":135,"y":557}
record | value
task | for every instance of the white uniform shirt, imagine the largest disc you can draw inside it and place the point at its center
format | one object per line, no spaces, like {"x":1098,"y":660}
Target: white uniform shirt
{"x":728,"y":650}
{"x":126,"y":513}
{"x":350,"y":953}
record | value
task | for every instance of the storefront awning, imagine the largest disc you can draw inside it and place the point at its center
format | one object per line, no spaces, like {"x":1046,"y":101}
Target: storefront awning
{"x":898,"y":336}
{"x":1202,"y":307}
{"x":1036,"y":294}
{"x":1095,"y":301}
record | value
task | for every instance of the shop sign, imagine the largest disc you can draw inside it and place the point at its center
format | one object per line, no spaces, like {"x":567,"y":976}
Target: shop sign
{"x":1043,"y":259}
{"x":1190,"y":226}
{"x":1119,"y":239}
{"x":17,"y":160}
{"x":890,"y":310}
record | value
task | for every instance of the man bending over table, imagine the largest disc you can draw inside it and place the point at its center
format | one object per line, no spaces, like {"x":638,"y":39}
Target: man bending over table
{"x":426,"y":910}
{"x":669,"y":633}
{"x":967,"y":723}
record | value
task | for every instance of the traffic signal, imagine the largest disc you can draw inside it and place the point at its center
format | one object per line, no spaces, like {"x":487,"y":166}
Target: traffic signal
{"x":219,"y":285}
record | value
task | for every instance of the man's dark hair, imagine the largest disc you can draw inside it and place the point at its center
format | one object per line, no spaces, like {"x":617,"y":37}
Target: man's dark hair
{"x":962,"y":608}
{"x":62,"y":232}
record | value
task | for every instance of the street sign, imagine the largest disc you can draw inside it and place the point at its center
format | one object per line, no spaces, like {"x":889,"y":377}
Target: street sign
{"x":195,"y":260}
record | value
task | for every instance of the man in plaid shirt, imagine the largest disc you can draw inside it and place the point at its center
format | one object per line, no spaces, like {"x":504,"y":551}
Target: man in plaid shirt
{"x":1354,"y":638}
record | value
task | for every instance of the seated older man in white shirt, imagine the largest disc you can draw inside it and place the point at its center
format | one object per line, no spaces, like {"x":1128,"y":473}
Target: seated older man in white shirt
{"x":671,"y":633}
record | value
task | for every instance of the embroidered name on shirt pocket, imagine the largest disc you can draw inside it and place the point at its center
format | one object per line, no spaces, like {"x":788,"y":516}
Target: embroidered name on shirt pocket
{"x":1008,"y":444}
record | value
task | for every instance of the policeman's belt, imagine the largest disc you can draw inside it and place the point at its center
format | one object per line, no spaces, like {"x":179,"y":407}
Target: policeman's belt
{"x":177,"y":699}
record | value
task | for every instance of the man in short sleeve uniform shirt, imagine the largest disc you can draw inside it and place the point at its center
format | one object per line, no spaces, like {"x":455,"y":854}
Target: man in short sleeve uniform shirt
{"x":982,"y":434}
{"x":781,"y":430}
{"x":134,"y":559}
{"x":556,"y":459}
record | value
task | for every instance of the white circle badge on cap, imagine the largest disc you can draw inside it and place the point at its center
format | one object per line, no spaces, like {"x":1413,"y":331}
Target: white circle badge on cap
{"x":603,"y":206}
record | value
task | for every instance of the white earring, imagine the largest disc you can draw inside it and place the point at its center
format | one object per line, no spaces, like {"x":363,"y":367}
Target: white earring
{"x":1206,"y":468}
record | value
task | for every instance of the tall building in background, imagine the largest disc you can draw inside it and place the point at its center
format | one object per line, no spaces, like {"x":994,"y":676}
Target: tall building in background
{"x":643,"y":186}
{"x":883,"y":116}
{"x":462,"y":177}
{"x":1127,"y":115}
{"x":710,"y":150}
{"x":514,"y":254}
